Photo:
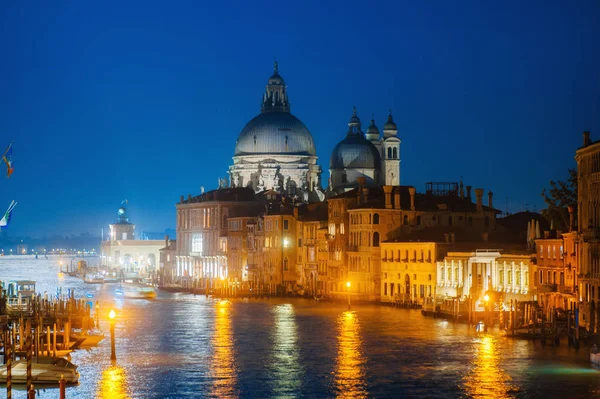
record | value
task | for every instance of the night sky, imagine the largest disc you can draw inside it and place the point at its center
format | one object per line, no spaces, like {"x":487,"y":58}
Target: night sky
{"x":144,"y":100}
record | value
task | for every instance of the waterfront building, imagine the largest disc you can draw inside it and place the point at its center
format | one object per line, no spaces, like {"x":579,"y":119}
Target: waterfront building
{"x":202,"y":225}
{"x":588,"y":224}
{"x":556,"y":261}
{"x":167,"y":262}
{"x":503,"y":276}
{"x":122,"y":251}
{"x":409,"y":270}
{"x":395,"y":213}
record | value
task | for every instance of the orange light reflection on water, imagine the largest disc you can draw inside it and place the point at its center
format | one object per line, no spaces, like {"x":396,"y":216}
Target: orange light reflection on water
{"x":113,"y":384}
{"x":349,"y":371}
{"x":487,"y":379}
{"x":222,"y":364}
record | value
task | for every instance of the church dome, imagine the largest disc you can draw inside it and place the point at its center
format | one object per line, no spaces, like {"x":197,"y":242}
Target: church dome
{"x":275,"y":133}
{"x":355,"y":152}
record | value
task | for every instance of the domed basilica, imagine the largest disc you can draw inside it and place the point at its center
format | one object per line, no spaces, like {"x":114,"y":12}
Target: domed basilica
{"x":276,"y":151}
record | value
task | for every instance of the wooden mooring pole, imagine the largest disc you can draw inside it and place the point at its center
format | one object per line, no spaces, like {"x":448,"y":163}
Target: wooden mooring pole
{"x":8,"y":355}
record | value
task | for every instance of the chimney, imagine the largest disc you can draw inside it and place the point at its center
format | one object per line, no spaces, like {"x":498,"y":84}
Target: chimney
{"x":452,"y":237}
{"x":469,"y":193}
{"x":365,"y":194}
{"x":412,"y":191}
{"x":479,"y":196}
{"x":397,"y":198}
{"x":181,"y":199}
{"x":484,"y":236}
{"x":571,"y":217}
{"x":490,"y":195}
{"x":296,"y":212}
{"x":166,"y":240}
{"x":546,"y":234}
{"x":586,"y":138}
{"x":462,"y":190}
{"x":189,"y":197}
{"x":388,"y":196}
{"x":446,"y":237}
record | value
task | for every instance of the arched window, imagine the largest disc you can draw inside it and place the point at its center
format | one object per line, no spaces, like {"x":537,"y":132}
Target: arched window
{"x":418,"y":220}
{"x":376,"y":239}
{"x":395,"y":153}
{"x":376,"y":218}
{"x":389,"y":152}
{"x":285,"y":264}
{"x":405,"y":219}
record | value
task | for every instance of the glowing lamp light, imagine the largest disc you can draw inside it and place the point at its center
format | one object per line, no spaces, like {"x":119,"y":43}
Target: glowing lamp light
{"x":286,"y":242}
{"x":348,"y":284}
{"x":486,"y":297}
{"x":112,"y":314}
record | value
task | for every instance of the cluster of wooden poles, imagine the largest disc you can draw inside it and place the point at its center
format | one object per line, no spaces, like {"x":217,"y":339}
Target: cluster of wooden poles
{"x":33,"y":329}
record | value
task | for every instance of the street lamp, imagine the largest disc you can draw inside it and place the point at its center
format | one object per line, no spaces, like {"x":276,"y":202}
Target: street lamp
{"x":348,"y":286}
{"x":112,"y":315}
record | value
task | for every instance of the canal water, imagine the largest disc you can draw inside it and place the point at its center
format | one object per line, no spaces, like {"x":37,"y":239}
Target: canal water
{"x":186,"y":346}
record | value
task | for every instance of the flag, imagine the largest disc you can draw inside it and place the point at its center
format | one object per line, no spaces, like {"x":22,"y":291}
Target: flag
{"x":6,"y":218}
{"x":7,"y":158}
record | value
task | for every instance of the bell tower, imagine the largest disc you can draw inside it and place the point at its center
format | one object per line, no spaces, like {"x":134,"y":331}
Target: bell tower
{"x":390,"y":165}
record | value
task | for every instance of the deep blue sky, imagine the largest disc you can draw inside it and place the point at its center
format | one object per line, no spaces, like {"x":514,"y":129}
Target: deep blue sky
{"x":144,"y":100}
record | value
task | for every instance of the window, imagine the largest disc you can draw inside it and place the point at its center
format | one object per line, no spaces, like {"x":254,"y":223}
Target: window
{"x":376,"y":239}
{"x":285,"y":224}
{"x":299,"y":242}
{"x":395,"y":153}
{"x":470,"y":221}
{"x":418,"y":220}
{"x":197,"y":242}
{"x":285,"y":264}
{"x":429,"y":277}
{"x":344,"y":178}
{"x":541,"y":277}
{"x":405,"y":220}
{"x":376,"y":218}
{"x":389,"y":152}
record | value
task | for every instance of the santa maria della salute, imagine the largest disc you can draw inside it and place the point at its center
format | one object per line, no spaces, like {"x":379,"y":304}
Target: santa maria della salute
{"x":276,"y":152}
{"x":277,"y":228}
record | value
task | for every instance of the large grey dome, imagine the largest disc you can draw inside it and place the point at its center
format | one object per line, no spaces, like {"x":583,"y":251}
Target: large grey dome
{"x":355,"y":152}
{"x":275,"y":133}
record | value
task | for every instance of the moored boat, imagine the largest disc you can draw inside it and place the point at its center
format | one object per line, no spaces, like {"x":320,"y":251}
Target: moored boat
{"x":93,"y":279}
{"x":44,"y":370}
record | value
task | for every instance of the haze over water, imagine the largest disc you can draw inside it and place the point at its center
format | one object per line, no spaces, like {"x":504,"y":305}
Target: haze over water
{"x":186,"y":346}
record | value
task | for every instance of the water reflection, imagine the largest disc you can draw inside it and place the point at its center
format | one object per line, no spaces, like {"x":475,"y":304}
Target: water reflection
{"x":285,"y":360}
{"x":222,"y":365}
{"x":487,"y":379}
{"x":350,"y":373}
{"x":113,"y":384}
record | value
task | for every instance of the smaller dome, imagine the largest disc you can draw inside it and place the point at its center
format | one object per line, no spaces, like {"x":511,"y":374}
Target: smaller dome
{"x":372,"y":129}
{"x":390,"y":125}
{"x":355,"y":152}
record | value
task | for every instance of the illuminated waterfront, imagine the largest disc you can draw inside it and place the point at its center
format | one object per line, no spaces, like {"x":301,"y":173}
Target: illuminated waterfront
{"x":187,"y":346}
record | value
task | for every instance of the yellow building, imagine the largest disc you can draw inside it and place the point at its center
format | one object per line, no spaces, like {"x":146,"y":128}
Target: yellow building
{"x":408,"y":270}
